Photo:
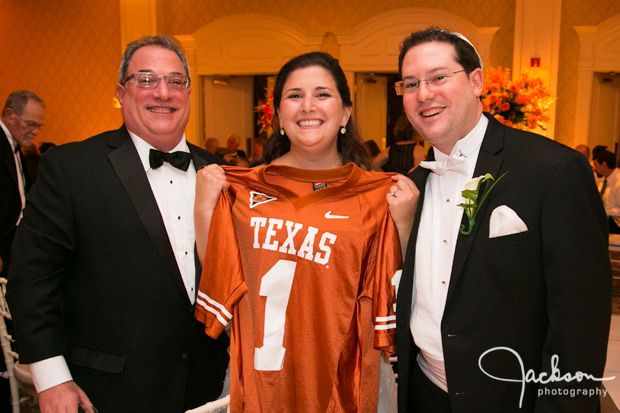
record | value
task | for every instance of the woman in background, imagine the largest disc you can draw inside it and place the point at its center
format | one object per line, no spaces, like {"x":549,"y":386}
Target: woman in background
{"x":406,"y":153}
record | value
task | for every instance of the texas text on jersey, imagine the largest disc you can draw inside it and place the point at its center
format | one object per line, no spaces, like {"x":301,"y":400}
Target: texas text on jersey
{"x":308,"y":278}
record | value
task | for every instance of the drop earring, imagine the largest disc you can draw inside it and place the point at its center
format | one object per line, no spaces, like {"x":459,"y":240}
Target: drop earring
{"x":282,"y":132}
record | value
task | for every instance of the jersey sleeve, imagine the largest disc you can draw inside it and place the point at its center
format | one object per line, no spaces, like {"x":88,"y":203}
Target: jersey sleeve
{"x":386,"y":275}
{"x":222,"y":282}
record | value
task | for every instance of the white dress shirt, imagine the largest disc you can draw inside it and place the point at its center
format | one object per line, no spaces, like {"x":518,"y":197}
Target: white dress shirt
{"x":174,"y":192}
{"x":21,"y":178}
{"x":436,"y":242}
{"x":611,"y":197}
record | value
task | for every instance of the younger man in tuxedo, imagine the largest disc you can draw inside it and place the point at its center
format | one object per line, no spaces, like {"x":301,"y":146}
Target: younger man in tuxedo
{"x":104,"y":277}
{"x":490,"y":309}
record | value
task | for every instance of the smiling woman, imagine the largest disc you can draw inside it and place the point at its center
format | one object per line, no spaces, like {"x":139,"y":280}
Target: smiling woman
{"x":303,"y":254}
{"x":313,"y":103}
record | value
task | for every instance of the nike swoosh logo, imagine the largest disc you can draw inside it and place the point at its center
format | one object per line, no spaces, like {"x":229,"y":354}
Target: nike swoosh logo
{"x":329,"y":215}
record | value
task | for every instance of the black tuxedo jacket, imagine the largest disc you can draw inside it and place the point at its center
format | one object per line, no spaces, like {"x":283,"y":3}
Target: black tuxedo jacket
{"x":539,"y":293}
{"x":94,"y":278}
{"x":11,"y":204}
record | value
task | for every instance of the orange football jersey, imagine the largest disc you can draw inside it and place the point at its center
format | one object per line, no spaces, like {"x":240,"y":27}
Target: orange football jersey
{"x":304,"y":264}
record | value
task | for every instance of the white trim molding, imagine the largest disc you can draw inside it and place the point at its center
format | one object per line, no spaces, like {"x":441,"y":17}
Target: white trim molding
{"x":373,"y":45}
{"x":258,"y":43}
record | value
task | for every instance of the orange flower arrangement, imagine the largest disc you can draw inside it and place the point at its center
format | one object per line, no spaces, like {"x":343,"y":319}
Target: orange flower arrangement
{"x":265,"y":111}
{"x":522,"y":104}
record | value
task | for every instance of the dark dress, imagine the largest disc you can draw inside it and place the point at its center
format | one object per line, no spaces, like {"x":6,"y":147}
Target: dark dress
{"x":400,"y":158}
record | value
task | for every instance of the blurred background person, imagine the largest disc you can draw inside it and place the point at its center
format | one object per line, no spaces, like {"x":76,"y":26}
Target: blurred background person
{"x":372,"y":148}
{"x":22,"y":116}
{"x":406,"y":153}
{"x":46,"y":146}
{"x":605,"y":165}
{"x":597,"y":149}
{"x":597,"y":176}
{"x":31,"y":160}
{"x":585,"y":150}
{"x":232,"y":147}
{"x":212,"y":145}
{"x":257,"y":151}
{"x":240,"y":161}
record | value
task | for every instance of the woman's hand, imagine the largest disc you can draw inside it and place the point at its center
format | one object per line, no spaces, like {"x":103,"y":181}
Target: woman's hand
{"x":210,"y":181}
{"x":403,"y":202}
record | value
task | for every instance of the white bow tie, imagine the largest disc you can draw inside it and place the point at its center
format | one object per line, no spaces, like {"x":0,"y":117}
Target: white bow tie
{"x":452,"y":163}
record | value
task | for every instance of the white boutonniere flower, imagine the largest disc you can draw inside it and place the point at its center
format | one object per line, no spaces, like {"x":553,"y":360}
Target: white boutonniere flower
{"x":475,"y":193}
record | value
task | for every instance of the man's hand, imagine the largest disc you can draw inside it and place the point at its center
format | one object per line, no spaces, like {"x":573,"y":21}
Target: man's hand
{"x":64,"y":398}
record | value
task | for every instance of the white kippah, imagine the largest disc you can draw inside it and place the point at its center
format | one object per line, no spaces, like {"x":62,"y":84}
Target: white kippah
{"x":466,"y":40}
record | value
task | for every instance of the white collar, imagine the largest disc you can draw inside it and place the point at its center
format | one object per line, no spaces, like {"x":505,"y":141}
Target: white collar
{"x":468,"y":145}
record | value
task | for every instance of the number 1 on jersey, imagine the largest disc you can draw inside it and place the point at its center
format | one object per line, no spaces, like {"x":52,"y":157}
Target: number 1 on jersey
{"x":276,"y":285}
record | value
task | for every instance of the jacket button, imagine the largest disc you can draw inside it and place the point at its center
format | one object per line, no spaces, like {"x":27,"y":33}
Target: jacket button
{"x":184,"y":356}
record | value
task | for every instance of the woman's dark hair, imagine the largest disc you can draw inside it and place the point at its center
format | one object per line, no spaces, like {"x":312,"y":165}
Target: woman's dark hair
{"x":403,"y":131}
{"x":349,"y":145}
{"x":372,"y":148}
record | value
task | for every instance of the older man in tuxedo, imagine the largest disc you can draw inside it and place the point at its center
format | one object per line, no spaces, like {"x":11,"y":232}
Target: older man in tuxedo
{"x":21,"y":119}
{"x":104,"y":274}
{"x":505,"y":308}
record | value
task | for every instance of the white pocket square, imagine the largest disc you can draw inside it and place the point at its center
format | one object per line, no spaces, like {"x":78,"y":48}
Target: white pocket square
{"x":505,"y":221}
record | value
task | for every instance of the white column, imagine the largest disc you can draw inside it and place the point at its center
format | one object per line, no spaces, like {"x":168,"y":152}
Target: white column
{"x":537,"y":35}
{"x":138,"y":19}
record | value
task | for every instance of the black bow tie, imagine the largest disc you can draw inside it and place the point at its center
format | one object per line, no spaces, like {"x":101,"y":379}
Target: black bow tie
{"x":16,"y":148}
{"x":179,"y":160}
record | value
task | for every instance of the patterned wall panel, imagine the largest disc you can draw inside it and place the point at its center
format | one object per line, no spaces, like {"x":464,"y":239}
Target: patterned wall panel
{"x":187,"y":16}
{"x":68,"y":53}
{"x":575,"y":13}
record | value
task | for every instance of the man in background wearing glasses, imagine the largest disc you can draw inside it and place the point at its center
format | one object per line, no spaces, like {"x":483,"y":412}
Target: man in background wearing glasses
{"x":22,"y":117}
{"x":104,"y":273}
{"x":508,"y":311}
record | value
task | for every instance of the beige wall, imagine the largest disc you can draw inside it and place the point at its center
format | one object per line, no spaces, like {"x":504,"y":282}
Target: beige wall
{"x":68,"y":51}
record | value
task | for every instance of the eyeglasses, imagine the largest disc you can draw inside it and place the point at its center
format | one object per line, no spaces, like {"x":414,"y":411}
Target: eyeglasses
{"x":151,"y":80}
{"x":31,"y":124}
{"x":412,"y":85}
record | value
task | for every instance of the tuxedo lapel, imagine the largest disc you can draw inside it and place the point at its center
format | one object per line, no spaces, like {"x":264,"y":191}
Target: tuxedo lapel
{"x":8,"y":160}
{"x":403,"y":309}
{"x":127,"y":165}
{"x":489,"y":161}
{"x":197,"y":160}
